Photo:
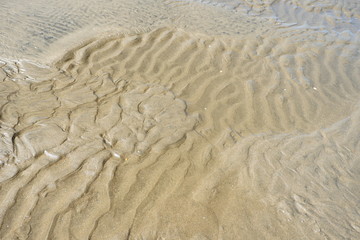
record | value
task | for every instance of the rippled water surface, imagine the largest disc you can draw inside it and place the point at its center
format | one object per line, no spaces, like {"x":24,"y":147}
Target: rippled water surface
{"x":180,"y":119}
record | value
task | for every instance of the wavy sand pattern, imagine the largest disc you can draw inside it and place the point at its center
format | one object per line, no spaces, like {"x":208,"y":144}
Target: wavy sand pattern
{"x":176,"y":134}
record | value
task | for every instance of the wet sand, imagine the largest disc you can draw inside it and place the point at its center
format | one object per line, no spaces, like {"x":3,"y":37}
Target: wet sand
{"x":180,"y":120}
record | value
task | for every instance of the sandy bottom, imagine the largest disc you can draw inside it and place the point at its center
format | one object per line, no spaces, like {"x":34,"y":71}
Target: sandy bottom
{"x":183,"y":132}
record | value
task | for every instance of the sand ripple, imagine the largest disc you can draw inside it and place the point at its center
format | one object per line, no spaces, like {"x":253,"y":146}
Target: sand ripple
{"x":180,"y":135}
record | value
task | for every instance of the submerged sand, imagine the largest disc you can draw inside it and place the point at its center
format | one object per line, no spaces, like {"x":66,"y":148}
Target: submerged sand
{"x":242,"y":125}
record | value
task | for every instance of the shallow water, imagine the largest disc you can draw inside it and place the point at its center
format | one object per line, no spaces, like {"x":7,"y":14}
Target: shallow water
{"x":221,"y":119}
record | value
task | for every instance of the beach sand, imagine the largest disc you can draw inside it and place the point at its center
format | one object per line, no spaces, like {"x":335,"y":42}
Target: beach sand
{"x":219,"y":119}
